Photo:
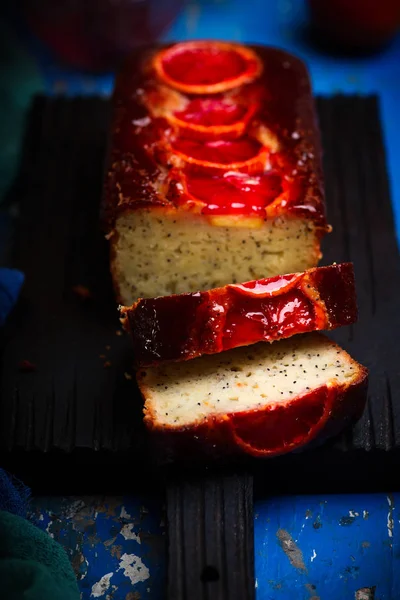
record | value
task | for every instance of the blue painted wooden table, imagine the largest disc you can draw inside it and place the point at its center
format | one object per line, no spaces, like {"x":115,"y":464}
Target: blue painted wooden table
{"x":306,"y":547}
{"x":116,"y":545}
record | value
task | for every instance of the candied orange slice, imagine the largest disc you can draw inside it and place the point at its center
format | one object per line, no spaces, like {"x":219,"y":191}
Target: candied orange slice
{"x":211,"y":118}
{"x":234,"y":193}
{"x":245,"y":154}
{"x":206,"y":67}
{"x":281,"y":428}
{"x":211,"y":112}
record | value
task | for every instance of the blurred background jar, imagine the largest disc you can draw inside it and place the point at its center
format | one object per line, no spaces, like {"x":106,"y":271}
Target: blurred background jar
{"x":95,"y":35}
{"x":355,"y":25}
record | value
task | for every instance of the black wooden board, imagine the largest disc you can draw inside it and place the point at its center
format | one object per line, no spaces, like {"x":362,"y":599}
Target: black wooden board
{"x":77,"y":415}
{"x":210,"y":531}
{"x":73,"y":425}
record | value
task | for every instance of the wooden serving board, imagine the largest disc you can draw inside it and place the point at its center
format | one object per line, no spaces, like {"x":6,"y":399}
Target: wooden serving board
{"x":76,"y":416}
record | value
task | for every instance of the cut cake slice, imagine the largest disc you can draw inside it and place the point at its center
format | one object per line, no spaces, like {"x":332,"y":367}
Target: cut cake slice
{"x":263,"y":400}
{"x":182,"y":327}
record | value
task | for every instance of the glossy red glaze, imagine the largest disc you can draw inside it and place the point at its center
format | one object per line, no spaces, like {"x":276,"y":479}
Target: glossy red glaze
{"x":234,"y":193}
{"x":252,"y":319}
{"x":278,"y":98}
{"x":267,"y":288}
{"x":223,"y":152}
{"x":281,"y":426}
{"x":309,"y":418}
{"x":206,"y":67}
{"x":203,"y":66}
{"x":211,"y":112}
{"x":238,"y":315}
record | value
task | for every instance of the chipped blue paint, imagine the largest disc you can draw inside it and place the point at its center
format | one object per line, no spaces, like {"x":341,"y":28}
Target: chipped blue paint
{"x":116,"y":545}
{"x":347,"y":542}
{"x":306,"y":547}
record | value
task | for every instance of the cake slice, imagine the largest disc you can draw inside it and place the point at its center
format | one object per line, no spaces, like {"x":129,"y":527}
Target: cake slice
{"x":263,"y":400}
{"x":213,"y":171}
{"x":182,"y":327}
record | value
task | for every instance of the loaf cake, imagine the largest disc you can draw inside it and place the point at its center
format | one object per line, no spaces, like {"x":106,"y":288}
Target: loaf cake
{"x":262,"y":400}
{"x":182,"y":327}
{"x":213,"y":170}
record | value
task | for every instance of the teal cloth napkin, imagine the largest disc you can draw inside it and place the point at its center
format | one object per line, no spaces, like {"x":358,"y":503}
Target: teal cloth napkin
{"x":32,"y":565}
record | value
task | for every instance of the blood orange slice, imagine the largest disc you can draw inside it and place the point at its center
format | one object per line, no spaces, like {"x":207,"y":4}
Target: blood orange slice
{"x":206,"y":67}
{"x":234,"y":193}
{"x":245,"y":154}
{"x":282,"y":428}
{"x":211,"y":112}
{"x":213,"y":118}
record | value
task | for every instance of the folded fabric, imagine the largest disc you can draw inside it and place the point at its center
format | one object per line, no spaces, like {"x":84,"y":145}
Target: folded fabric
{"x":14,"y":495}
{"x":32,"y":565}
{"x":11,"y":282}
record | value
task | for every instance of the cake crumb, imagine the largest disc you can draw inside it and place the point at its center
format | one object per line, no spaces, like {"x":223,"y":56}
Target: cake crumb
{"x":26,"y":366}
{"x":82,"y":291}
